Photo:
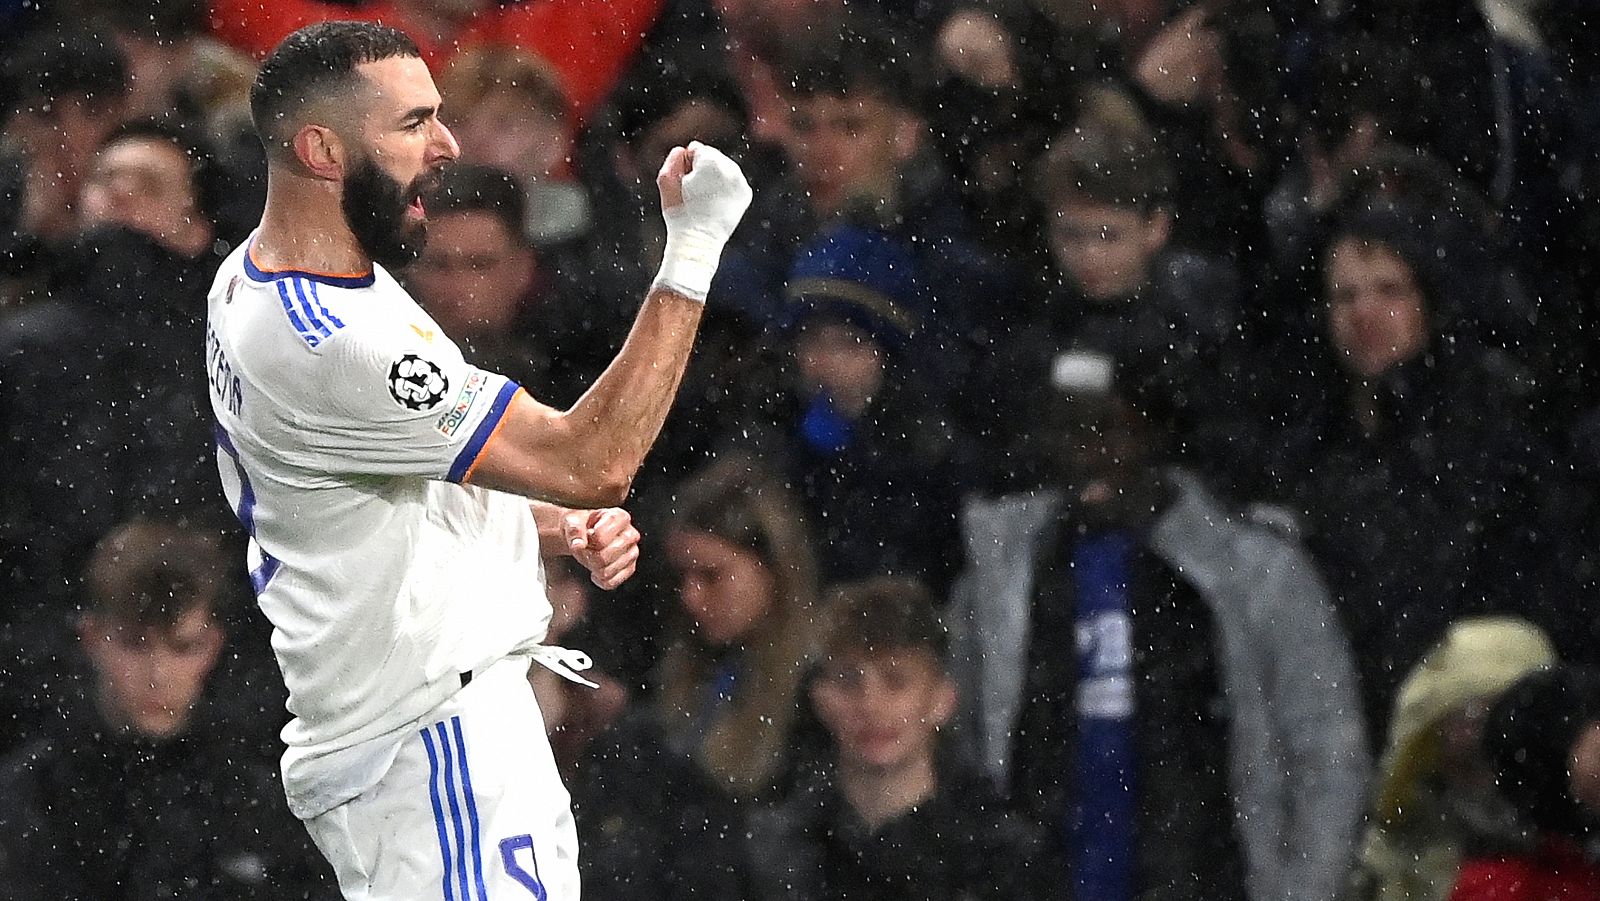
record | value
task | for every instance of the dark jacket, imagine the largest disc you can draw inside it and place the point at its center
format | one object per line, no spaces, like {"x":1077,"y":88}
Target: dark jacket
{"x":94,"y":815}
{"x":1432,"y":516}
{"x":652,"y":824}
{"x":103,"y":416}
{"x":962,"y":844}
{"x":881,"y":496}
{"x":103,"y":404}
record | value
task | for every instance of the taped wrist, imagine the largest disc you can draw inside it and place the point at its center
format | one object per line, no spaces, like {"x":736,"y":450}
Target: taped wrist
{"x":688,"y":263}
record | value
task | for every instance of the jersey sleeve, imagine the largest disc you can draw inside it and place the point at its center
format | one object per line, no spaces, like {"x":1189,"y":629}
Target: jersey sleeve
{"x":393,"y":406}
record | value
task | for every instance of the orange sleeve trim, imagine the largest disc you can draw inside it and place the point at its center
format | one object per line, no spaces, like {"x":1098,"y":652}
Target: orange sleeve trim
{"x":252,"y":253}
{"x":493,"y":434}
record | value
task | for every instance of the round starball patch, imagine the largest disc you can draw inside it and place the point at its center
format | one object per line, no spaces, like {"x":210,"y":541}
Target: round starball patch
{"x":417,"y":384}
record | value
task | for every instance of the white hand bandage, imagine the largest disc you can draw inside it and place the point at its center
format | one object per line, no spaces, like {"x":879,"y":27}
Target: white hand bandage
{"x":715,"y":196}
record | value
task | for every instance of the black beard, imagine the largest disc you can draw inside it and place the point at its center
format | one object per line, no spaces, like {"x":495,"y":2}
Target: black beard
{"x":375,"y":210}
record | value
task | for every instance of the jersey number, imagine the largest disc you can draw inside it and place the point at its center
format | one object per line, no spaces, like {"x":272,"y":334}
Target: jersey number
{"x":508,"y":855}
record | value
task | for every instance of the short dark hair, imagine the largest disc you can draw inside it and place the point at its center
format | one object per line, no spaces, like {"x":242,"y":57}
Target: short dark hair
{"x":466,"y":188}
{"x":205,"y":175}
{"x":1106,"y":160}
{"x":150,"y":572}
{"x":317,"y":59}
{"x":864,"y":55}
{"x":883,"y":615}
{"x":59,"y":63}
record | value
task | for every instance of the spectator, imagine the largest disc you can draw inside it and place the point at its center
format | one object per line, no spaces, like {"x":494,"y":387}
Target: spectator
{"x":728,"y":689}
{"x":177,"y":72}
{"x":588,"y":41}
{"x":1419,"y":511}
{"x":513,"y":308}
{"x":860,"y":150}
{"x":1436,"y":798}
{"x":1205,"y":741}
{"x":69,"y":91}
{"x":1115,"y":286}
{"x":140,"y":792}
{"x":100,"y":405}
{"x":1543,"y":736}
{"x":100,"y":364}
{"x":652,"y":820}
{"x":509,"y":111}
{"x":174,"y":67}
{"x":860,"y":437}
{"x":889,"y":815}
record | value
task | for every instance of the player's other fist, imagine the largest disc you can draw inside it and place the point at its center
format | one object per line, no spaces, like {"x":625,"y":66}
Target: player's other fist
{"x":703,"y":197}
{"x":604,"y":541}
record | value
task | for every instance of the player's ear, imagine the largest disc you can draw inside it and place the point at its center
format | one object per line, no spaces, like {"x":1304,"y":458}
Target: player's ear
{"x":321,"y":151}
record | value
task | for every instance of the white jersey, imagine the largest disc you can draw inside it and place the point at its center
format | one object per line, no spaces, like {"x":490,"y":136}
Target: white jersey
{"x":346,"y":422}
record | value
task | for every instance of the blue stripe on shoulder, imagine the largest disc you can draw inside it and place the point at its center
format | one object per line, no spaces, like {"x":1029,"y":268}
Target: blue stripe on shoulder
{"x":305,"y":308}
{"x":326,"y":313}
{"x":293,"y":312}
{"x":306,"y":311}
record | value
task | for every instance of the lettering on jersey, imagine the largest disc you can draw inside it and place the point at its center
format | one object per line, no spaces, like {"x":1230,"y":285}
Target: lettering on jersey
{"x":417,"y":384}
{"x":224,"y":384}
{"x":457,"y":414}
{"x":425,"y":334}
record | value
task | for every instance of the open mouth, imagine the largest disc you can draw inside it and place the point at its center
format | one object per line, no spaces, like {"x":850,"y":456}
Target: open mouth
{"x":415,"y":208}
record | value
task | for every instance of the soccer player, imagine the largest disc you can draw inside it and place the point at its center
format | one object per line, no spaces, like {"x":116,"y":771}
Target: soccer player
{"x":386,"y":482}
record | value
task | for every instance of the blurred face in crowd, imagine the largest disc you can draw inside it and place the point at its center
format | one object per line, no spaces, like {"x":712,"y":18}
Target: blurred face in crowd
{"x":1106,"y":250}
{"x":395,"y":158}
{"x":1585,"y":769}
{"x":1376,"y":312}
{"x":473,"y":274}
{"x":147,"y":184}
{"x":850,"y":147}
{"x":150,"y":678}
{"x":506,"y":131}
{"x":694,"y":119}
{"x":1462,"y":763}
{"x":884,"y":710}
{"x":1103,"y":454}
{"x":65,"y":132}
{"x":841,"y":360}
{"x":726,"y":589}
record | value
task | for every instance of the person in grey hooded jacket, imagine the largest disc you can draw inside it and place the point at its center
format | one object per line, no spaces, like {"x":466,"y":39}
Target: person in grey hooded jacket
{"x":1162,"y":682}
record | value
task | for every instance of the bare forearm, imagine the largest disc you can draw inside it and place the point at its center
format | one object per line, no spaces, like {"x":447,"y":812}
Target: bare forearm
{"x":622,"y":413}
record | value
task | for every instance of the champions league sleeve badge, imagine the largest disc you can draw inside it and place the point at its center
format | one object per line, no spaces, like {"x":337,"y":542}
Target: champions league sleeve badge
{"x":417,"y":384}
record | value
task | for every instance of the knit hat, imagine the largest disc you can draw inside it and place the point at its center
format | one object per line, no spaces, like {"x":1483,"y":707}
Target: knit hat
{"x":1529,"y":735}
{"x":863,"y":276}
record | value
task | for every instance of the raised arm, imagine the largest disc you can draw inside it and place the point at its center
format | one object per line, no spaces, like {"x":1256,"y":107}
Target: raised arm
{"x":587,"y":456}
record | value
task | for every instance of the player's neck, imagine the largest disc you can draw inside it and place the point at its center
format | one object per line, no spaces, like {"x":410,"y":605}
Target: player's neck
{"x":307,"y":236}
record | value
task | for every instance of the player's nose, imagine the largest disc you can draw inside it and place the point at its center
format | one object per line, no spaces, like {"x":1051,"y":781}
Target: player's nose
{"x":444,"y":145}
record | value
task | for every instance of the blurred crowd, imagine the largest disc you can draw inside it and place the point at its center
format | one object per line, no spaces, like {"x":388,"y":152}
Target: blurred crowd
{"x":1136,"y":449}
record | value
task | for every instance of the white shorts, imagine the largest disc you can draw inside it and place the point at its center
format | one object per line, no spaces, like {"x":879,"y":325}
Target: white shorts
{"x":472,"y":808}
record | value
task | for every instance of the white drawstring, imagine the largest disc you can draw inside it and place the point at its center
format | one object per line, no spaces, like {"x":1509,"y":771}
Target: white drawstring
{"x":564,"y":662}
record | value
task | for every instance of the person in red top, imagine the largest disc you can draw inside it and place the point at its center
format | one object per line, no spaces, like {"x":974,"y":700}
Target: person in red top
{"x":588,"y":41}
{"x":1543,"y":735}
